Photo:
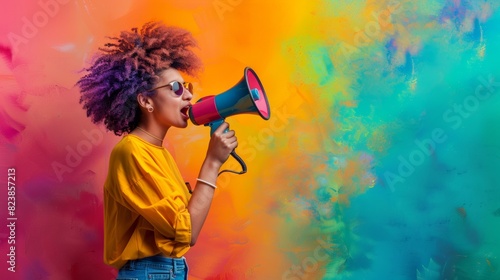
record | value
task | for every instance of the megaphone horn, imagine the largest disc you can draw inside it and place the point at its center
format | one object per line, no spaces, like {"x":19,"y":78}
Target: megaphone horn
{"x":246,"y":97}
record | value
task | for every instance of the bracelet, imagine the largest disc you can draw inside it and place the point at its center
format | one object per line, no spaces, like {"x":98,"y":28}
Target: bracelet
{"x":205,"y":182}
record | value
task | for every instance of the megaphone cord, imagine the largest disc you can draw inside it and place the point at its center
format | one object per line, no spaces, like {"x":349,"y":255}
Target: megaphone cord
{"x":242,"y":163}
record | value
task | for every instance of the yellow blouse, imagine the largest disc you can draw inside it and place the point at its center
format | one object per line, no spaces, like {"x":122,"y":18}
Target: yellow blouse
{"x":145,"y":204}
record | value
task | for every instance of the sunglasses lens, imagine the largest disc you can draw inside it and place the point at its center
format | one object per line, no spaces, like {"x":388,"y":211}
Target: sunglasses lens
{"x":177,"y":88}
{"x":189,"y":86}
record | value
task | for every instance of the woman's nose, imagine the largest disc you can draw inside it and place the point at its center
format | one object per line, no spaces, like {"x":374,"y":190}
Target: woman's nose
{"x":187,"y":94}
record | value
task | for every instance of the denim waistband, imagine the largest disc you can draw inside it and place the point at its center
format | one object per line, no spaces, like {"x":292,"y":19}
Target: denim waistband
{"x":157,"y":261}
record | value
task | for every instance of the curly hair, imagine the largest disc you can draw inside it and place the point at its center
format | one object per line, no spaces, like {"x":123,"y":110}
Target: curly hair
{"x":129,"y":65}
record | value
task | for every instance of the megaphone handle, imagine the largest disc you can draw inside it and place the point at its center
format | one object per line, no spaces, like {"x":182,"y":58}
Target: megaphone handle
{"x":214,"y":125}
{"x":242,"y":163}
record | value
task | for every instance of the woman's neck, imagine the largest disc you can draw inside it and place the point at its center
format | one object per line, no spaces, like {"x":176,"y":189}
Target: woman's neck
{"x":150,"y":133}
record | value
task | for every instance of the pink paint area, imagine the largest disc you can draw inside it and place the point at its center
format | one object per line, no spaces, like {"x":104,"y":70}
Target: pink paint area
{"x":6,"y":53}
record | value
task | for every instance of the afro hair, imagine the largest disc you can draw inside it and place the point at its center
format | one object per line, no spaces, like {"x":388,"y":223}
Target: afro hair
{"x":129,"y":65}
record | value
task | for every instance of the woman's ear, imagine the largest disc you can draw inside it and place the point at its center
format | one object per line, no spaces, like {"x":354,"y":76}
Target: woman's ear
{"x":145,"y":103}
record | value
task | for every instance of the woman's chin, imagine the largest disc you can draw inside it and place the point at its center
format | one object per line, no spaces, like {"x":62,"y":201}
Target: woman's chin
{"x":182,"y":124}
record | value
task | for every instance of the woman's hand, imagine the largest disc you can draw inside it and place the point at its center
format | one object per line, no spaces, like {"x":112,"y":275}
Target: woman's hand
{"x":221,"y":144}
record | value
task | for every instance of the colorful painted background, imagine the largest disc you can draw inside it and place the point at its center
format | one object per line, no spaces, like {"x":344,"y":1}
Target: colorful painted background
{"x":380,"y":160}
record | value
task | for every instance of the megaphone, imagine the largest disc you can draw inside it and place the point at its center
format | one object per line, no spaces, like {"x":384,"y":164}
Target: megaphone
{"x":246,"y":97}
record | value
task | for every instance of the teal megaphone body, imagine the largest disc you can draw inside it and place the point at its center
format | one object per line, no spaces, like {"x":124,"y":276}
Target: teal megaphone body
{"x":246,"y":97}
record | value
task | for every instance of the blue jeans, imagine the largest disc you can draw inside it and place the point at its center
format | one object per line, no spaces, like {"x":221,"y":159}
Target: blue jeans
{"x":155,"y":267}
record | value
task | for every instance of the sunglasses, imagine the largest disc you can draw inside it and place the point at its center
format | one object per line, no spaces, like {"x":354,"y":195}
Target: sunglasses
{"x":177,"y":87}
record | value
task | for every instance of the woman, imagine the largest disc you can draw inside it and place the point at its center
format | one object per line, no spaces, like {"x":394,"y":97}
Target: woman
{"x":134,"y":85}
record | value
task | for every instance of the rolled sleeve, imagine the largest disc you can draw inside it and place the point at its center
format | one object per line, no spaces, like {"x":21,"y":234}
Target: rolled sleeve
{"x":183,"y":227}
{"x":168,"y":214}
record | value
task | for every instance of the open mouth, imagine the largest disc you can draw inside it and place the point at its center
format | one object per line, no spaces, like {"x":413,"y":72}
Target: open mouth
{"x":185,"y":110}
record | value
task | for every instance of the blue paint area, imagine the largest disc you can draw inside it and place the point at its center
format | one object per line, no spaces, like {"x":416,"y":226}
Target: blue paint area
{"x":455,"y":11}
{"x":441,"y":209}
{"x":434,"y":210}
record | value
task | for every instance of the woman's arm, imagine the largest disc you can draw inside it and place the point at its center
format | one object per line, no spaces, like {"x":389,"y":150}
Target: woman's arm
{"x":221,"y":145}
